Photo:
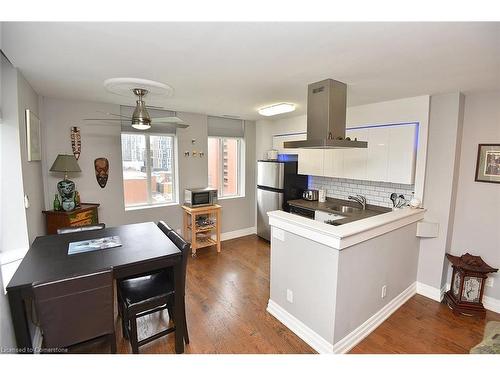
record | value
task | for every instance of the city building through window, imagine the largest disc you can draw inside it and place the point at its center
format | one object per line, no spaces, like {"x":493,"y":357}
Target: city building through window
{"x":148,"y":162}
{"x":225,"y":166}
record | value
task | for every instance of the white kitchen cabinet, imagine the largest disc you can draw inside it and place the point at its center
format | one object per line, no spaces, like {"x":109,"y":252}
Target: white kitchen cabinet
{"x":333,"y":164}
{"x":311,"y":162}
{"x":402,"y":153}
{"x":389,"y":157}
{"x":377,"y":154}
{"x":355,"y":158}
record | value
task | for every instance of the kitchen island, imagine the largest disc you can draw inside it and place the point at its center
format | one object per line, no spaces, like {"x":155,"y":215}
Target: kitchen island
{"x":332,"y":285}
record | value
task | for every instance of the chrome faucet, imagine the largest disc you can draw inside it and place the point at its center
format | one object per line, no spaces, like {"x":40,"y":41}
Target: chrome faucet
{"x":358,"y":198}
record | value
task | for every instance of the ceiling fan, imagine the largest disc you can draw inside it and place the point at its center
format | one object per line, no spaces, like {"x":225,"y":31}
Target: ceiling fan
{"x":141,"y":120}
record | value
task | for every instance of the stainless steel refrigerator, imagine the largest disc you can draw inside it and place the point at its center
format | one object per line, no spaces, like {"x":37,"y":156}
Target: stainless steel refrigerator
{"x":277,"y":183}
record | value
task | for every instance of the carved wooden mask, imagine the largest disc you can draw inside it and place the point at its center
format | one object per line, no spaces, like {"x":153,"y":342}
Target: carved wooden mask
{"x":101,"y":171}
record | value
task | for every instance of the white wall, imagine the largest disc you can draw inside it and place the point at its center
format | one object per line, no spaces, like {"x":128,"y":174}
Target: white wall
{"x":445,"y":134}
{"x":268,"y":127}
{"x":32,"y":170}
{"x":477,"y":211}
{"x":14,"y":225}
{"x":59,"y":115}
{"x":13,"y":231}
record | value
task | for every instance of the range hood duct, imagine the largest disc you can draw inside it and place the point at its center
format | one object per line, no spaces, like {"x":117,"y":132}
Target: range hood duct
{"x":326,"y":115}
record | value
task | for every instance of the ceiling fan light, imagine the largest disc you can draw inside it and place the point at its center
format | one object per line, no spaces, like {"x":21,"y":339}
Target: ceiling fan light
{"x":276,"y":109}
{"x":141,"y":126}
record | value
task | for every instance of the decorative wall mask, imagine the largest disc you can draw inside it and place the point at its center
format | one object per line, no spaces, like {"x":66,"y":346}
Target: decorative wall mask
{"x":76,"y":141}
{"x":101,"y":171}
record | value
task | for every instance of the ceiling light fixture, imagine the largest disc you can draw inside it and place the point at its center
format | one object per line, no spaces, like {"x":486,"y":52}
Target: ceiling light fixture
{"x":277,"y":109}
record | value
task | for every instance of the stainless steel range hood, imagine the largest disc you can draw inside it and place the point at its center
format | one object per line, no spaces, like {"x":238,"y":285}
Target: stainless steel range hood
{"x":326,"y":114}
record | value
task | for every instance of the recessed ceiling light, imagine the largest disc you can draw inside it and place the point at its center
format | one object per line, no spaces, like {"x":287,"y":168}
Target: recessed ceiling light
{"x":277,"y":109}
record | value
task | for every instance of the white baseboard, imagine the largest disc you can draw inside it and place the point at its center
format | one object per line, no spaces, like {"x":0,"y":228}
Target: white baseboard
{"x":319,"y":344}
{"x":238,"y":233}
{"x":431,"y":292}
{"x":311,"y":338}
{"x":491,"y":304}
{"x":356,"y":336}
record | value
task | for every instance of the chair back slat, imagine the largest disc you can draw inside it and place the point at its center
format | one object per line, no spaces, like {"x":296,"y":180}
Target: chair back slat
{"x":74,"y":310}
{"x":185,"y":248}
{"x":165,"y":228}
{"x":83,"y":228}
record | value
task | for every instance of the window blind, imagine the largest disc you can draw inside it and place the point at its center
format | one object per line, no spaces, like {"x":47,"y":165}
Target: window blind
{"x":164,"y":128}
{"x":225,"y":127}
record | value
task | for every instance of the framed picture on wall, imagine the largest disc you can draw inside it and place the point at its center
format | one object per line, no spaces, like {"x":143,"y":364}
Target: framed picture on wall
{"x":33,"y":137}
{"x":488,"y":163}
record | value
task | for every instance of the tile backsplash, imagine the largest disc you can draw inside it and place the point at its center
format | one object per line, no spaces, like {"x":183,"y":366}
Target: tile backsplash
{"x":376,"y":192}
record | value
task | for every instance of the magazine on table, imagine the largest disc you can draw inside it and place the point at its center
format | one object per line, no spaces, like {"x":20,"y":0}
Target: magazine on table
{"x":93,"y":245}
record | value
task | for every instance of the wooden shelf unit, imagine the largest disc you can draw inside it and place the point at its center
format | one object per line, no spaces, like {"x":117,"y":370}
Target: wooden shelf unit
{"x":189,"y":222}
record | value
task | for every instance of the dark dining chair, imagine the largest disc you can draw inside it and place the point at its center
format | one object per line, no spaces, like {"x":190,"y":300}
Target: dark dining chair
{"x":151,"y":293}
{"x":164,"y":227}
{"x":75,"y":310}
{"x":83,"y":228}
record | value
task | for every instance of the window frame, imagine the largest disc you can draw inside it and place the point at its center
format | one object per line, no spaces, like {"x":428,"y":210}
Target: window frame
{"x":149,"y":170}
{"x":240,"y":184}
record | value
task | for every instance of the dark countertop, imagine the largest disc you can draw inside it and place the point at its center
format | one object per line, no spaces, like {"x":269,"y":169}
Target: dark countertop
{"x":370,"y":210}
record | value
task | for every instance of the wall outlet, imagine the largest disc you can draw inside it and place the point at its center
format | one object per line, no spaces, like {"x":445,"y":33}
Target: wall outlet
{"x":289,"y":295}
{"x":384,"y":291}
{"x":489,"y":282}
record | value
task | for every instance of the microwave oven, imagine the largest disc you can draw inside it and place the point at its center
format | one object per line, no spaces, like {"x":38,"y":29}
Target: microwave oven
{"x":200,"y":197}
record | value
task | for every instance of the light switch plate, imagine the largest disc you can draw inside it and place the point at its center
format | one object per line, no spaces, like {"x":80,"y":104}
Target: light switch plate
{"x":279,"y":234}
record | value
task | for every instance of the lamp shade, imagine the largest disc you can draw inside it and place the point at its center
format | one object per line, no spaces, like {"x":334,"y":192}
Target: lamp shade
{"x":65,"y":163}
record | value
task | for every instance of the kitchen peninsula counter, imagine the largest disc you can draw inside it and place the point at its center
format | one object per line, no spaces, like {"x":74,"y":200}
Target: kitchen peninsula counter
{"x":332,"y":285}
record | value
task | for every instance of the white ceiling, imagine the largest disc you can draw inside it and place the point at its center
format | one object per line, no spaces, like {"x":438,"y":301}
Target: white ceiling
{"x":235,"y":68}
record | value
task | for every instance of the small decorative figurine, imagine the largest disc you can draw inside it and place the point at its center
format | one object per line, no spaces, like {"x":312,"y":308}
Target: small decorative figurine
{"x":76,"y":141}
{"x":101,"y":171}
{"x":66,"y":190}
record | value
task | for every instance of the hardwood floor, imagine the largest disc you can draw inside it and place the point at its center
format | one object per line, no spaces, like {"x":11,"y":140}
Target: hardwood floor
{"x":424,"y":326}
{"x":226,"y":299}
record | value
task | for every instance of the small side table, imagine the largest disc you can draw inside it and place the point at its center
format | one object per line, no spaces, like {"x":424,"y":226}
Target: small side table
{"x":86,"y":214}
{"x":201,"y":235}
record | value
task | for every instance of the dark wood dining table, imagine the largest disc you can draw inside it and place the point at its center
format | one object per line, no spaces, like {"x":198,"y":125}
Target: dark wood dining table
{"x":144,"y":248}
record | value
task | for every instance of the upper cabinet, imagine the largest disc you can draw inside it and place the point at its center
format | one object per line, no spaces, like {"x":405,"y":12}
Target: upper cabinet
{"x":311,"y":161}
{"x":390,"y":156}
{"x":279,"y":139}
{"x":355,"y":158}
{"x":402,"y":153}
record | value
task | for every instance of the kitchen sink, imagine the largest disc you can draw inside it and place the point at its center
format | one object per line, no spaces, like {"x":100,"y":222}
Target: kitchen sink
{"x":345,"y":209}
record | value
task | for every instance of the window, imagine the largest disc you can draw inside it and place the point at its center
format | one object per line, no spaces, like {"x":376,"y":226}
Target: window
{"x":148,"y":162}
{"x":225,"y":166}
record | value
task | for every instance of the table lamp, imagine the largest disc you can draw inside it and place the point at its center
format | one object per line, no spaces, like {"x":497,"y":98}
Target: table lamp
{"x":66,"y":188}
